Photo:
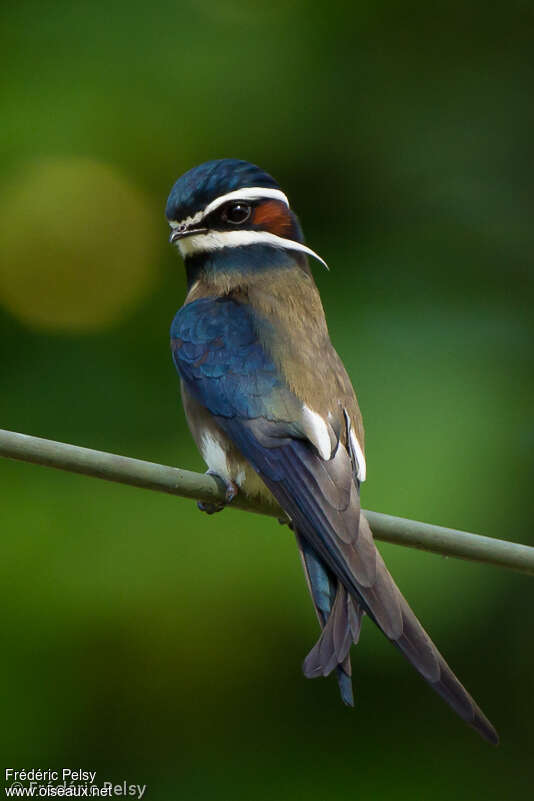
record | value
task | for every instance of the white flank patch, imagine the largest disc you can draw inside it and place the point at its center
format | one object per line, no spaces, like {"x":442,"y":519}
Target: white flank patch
{"x":216,"y":240}
{"x":317,"y":432}
{"x":360,"y":458}
{"x":247,"y":193}
{"x":214,"y":456}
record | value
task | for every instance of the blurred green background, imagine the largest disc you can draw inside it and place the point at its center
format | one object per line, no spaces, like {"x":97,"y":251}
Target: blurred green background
{"x":152,"y":643}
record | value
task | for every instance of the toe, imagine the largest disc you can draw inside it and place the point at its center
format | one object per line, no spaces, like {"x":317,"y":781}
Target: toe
{"x":232,"y":491}
{"x":210,"y":508}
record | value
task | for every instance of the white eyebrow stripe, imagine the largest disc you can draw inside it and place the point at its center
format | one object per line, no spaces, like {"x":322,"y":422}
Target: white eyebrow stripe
{"x":246,"y":193}
{"x":216,"y":240}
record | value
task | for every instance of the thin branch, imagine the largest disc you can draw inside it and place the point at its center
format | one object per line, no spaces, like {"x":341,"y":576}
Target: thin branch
{"x":175,"y":481}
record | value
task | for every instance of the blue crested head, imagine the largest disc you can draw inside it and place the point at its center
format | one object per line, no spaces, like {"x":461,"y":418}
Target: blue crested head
{"x":199,"y":186}
{"x":230,"y":215}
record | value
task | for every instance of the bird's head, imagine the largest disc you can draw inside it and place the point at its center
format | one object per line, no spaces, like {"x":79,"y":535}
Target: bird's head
{"x":230,"y":212}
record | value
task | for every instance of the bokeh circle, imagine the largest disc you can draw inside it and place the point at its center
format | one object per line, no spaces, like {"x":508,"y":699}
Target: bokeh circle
{"x":78,"y":243}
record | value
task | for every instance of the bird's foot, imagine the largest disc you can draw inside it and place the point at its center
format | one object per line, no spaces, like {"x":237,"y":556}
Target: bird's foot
{"x":231,"y":492}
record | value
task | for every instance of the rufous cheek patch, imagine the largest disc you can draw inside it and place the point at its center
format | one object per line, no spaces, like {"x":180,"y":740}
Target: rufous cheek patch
{"x":273,"y":216}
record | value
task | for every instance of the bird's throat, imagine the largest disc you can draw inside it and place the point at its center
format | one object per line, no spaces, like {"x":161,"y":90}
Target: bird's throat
{"x":240,"y":266}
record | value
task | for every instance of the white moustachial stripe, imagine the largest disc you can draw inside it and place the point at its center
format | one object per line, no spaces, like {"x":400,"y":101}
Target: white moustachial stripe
{"x":216,"y":240}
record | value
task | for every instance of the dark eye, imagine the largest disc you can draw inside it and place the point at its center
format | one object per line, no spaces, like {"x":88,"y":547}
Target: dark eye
{"x":236,"y":213}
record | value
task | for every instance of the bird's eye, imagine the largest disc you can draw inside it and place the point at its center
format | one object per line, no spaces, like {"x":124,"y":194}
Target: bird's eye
{"x":236,"y":213}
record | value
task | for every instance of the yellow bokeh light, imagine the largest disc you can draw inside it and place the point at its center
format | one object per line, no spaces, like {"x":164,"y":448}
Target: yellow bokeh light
{"x":79,"y":245}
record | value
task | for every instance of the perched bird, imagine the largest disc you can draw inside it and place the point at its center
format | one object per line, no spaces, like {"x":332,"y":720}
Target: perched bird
{"x":274,"y":414}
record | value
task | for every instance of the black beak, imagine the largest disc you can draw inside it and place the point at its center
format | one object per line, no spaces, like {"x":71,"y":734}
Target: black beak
{"x":182,"y":233}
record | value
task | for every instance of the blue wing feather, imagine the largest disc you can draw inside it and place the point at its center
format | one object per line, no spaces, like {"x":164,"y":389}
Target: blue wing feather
{"x":216,"y":339}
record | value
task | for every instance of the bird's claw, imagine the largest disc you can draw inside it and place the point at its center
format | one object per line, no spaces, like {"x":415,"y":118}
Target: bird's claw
{"x":210,"y":508}
{"x":231,"y":492}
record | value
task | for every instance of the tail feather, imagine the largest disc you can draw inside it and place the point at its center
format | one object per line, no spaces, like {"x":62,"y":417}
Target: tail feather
{"x":344,"y":680}
{"x":340,"y":615}
{"x":340,"y":619}
{"x":341,"y":629}
{"x":413,"y":643}
{"x":420,"y":651}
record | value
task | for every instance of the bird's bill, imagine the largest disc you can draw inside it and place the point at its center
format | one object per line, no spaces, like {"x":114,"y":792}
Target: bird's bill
{"x":182,"y":234}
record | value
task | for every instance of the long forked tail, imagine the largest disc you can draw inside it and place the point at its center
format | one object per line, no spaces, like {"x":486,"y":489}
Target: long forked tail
{"x":418,"y":648}
{"x":340,"y":617}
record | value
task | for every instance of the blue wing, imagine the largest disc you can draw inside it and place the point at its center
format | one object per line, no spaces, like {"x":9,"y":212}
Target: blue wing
{"x":218,"y":353}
